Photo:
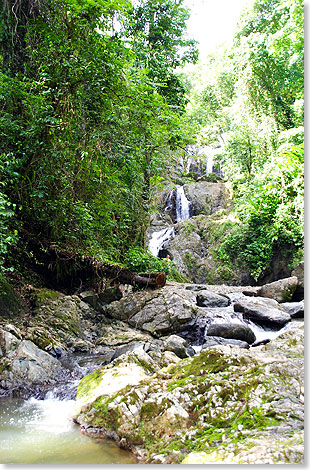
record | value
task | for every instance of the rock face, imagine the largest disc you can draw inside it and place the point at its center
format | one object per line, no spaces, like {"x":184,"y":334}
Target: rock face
{"x":208,"y":198}
{"x":226,"y":405}
{"x":161,"y":312}
{"x":24,"y":367}
{"x":281,"y":290}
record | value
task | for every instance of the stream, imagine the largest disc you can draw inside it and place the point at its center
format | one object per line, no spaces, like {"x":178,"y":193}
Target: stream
{"x":37,"y":431}
{"x":40,"y":432}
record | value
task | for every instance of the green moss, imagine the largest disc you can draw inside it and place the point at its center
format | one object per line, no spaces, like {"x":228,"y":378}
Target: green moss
{"x":188,"y":228}
{"x":42,"y":296}
{"x":89,"y":382}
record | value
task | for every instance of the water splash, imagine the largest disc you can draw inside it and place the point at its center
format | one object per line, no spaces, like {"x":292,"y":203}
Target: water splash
{"x":159,"y":239}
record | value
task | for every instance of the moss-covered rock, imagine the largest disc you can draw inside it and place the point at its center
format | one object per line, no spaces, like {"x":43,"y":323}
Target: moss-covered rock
{"x":58,"y":322}
{"x":10,"y":302}
{"x":227,"y":404}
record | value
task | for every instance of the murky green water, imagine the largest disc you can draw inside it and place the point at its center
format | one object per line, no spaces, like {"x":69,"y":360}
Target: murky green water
{"x":40,"y":432}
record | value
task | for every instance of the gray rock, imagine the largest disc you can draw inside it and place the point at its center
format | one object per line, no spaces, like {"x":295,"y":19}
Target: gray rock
{"x":8,"y":343}
{"x":128,"y":306}
{"x":294,"y":309}
{"x":299,"y":272}
{"x":206,"y":298}
{"x":232,"y":331}
{"x":216,"y":340}
{"x":281,"y":291}
{"x":262,"y":311}
{"x":177,"y":345}
{"x":206,"y":197}
{"x":35,"y":366}
{"x":161,"y":312}
{"x":90,"y":298}
{"x":127,"y":348}
{"x":164,"y":314}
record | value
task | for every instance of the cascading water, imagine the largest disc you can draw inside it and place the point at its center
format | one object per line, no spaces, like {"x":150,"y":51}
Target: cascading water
{"x":182,"y":204}
{"x":160,"y":239}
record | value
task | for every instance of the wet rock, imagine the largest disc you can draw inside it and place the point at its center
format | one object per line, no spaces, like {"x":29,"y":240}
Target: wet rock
{"x":232,"y":331}
{"x":26,"y":367}
{"x":216,"y":340}
{"x":262,"y":311}
{"x":206,"y":298}
{"x":281,"y":290}
{"x":294,"y":309}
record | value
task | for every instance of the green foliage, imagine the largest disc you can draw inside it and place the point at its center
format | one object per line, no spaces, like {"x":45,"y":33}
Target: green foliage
{"x":140,"y":260}
{"x":85,"y":124}
{"x":8,"y":235}
{"x":271,"y":213}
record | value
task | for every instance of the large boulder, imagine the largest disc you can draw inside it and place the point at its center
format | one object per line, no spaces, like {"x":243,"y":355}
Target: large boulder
{"x":161,"y":312}
{"x":262,"y":311}
{"x":281,"y":290}
{"x":206,"y":298}
{"x":24,"y":368}
{"x":232,"y":331}
{"x":62,"y":323}
{"x":229,"y":404}
{"x":35,"y":366}
{"x":294,"y":309}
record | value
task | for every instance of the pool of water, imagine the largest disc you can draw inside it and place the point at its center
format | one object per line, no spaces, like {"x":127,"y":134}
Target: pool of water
{"x":41,"y":432}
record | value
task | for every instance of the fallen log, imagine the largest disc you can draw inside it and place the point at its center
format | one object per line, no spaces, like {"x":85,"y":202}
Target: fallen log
{"x":68,"y":269}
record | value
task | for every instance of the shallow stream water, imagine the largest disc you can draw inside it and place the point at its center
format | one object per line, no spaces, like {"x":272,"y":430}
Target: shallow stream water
{"x":41,"y":432}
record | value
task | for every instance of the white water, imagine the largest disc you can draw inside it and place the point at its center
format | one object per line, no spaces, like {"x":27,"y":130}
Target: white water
{"x":158,"y":239}
{"x":41,"y":432}
{"x":182,"y":204}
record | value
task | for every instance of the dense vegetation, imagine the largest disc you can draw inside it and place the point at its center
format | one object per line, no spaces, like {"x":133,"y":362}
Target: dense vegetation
{"x":93,"y":109}
{"x":251,"y":97}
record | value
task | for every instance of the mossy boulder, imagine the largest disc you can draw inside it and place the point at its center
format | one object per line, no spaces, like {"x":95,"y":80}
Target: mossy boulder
{"x":226,"y":403}
{"x":59,"y":323}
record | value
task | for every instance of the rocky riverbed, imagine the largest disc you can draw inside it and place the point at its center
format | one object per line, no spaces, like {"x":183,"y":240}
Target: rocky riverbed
{"x":182,"y":374}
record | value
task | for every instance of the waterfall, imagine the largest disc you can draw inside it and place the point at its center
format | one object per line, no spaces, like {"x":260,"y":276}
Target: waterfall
{"x":182,"y":205}
{"x":159,"y":239}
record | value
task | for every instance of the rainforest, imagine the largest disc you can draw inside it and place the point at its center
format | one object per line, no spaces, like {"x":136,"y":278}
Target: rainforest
{"x":148,"y":194}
